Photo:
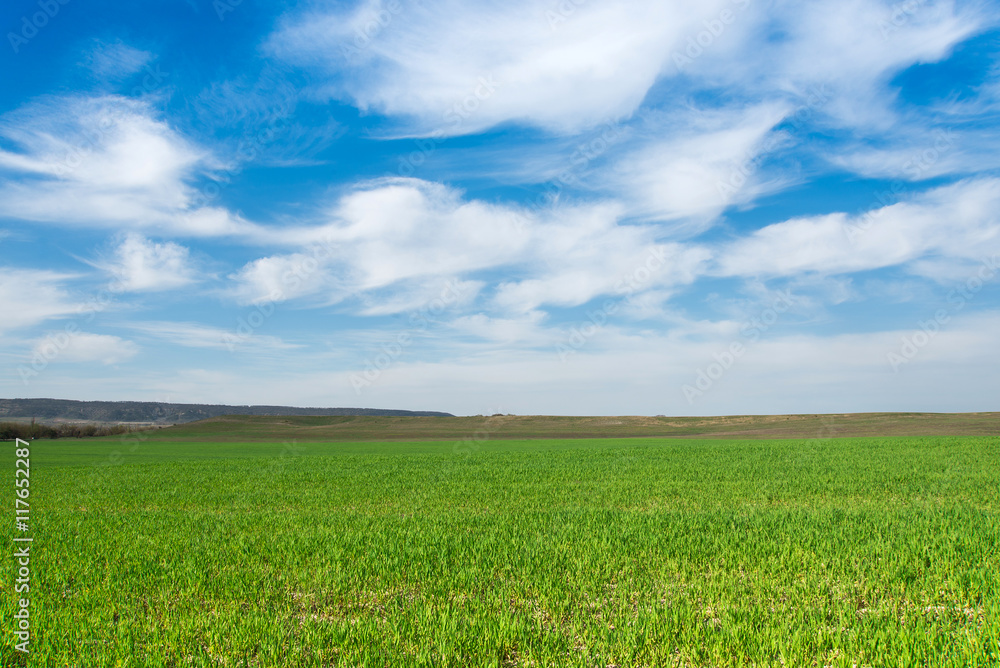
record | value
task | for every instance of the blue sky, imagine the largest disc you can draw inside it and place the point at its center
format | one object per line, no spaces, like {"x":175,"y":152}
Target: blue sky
{"x":575,"y":207}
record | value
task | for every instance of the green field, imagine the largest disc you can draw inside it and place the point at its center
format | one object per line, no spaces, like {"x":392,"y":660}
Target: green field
{"x":588,"y":552}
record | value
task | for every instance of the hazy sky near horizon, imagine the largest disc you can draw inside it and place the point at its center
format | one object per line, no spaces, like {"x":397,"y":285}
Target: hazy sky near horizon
{"x":555,"y":207}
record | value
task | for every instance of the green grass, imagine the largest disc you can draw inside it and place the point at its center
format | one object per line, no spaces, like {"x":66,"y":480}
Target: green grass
{"x":591,"y":552}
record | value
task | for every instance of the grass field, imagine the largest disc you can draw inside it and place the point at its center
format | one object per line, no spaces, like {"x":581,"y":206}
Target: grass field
{"x":587,"y":552}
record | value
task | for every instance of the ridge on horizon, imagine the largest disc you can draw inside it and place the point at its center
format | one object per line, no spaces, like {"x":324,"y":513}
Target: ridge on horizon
{"x":170,"y":412}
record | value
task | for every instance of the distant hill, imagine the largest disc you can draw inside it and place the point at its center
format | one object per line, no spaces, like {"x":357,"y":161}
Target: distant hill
{"x":164,"y":413}
{"x":482,"y":428}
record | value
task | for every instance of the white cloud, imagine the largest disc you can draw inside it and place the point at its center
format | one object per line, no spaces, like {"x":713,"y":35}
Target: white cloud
{"x":926,"y":147}
{"x":143,"y":265}
{"x":563,"y":67}
{"x":406,"y":229}
{"x":389,"y":233}
{"x":958,"y":221}
{"x":84,"y":347}
{"x":693,"y":169}
{"x":107,"y":142}
{"x":277,"y":278}
{"x":851,"y":49}
{"x":403,"y":239}
{"x":617,"y":263}
{"x":29,"y":297}
{"x":522,"y":330}
{"x":906,"y":162}
{"x":430,"y":297}
{"x":569,"y":66}
{"x":106,"y":162}
{"x":194,"y":335}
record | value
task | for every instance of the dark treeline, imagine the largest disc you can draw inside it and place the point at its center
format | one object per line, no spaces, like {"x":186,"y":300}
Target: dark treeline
{"x":164,"y":413}
{"x":11,"y":430}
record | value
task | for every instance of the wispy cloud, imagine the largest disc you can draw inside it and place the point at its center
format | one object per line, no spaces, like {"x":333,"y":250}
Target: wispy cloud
{"x":85,"y":347}
{"x":405,"y":233}
{"x":116,"y":61}
{"x":692,"y":164}
{"x":959,"y":221}
{"x":105,"y":162}
{"x":29,"y":297}
{"x":562,"y":70}
{"x":195,"y":335}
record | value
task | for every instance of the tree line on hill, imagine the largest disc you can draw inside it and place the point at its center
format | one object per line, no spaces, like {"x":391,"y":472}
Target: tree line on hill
{"x":167,"y":413}
{"x":11,"y":430}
